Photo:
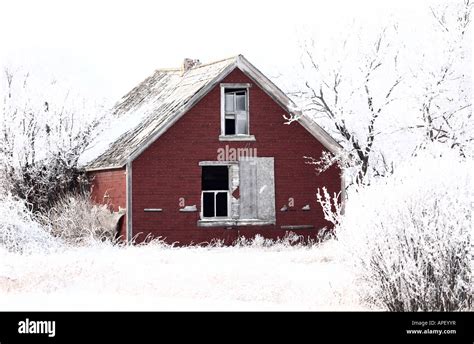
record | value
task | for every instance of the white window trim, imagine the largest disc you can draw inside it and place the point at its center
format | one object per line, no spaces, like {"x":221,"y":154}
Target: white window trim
{"x":217,"y":163}
{"x":237,"y":137}
{"x":208,"y":222}
{"x":220,"y":218}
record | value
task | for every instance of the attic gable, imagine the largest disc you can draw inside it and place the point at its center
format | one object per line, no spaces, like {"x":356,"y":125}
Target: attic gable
{"x":152,"y":107}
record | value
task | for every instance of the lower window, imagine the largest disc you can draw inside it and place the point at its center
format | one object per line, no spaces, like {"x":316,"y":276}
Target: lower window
{"x":251,"y":180}
{"x":215,"y":192}
{"x":215,"y":203}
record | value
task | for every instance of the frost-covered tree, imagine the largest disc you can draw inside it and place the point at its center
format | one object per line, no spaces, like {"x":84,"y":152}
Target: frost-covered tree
{"x":413,"y":244}
{"x":385,"y":94}
{"x":445,"y":96}
{"x":44,"y":128}
{"x":349,"y":90}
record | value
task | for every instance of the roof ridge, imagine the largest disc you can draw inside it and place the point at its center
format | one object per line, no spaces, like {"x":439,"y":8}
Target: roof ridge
{"x":167,"y":69}
{"x":218,"y":61}
{"x":198,"y":66}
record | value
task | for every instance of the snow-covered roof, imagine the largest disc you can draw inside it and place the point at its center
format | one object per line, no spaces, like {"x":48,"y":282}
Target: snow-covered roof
{"x":147,"y":111}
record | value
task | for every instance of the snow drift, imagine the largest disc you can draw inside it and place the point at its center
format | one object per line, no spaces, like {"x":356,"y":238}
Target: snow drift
{"x":19,"y":232}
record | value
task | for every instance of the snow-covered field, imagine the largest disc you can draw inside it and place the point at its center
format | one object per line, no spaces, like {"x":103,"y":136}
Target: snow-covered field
{"x":408,"y":251}
{"x":155,"y":277}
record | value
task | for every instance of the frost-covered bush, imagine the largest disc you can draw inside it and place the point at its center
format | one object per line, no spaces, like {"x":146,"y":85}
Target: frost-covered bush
{"x":19,"y":232}
{"x":73,"y":220}
{"x":77,"y":220}
{"x":410,"y":235}
{"x":44,"y":127}
{"x":43,"y":183}
{"x":332,"y":206}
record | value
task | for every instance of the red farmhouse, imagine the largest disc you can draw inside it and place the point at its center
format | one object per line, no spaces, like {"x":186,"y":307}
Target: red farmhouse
{"x":203,"y":152}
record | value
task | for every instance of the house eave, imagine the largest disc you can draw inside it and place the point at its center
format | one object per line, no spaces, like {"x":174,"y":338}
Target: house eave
{"x":96,"y":169}
{"x":320,"y":134}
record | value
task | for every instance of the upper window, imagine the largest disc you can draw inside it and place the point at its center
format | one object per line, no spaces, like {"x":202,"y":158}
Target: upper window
{"x":235,"y":113}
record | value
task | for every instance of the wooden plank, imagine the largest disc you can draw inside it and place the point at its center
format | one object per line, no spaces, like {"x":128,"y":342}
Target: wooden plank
{"x":265,"y":189}
{"x":248,"y":188}
{"x":294,"y":227}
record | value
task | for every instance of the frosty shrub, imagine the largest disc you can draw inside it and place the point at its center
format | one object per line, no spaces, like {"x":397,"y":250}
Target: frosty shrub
{"x":44,"y":127}
{"x":409,"y":235}
{"x":77,"y":220}
{"x":43,"y":183}
{"x":332,"y":207}
{"x":19,"y":232}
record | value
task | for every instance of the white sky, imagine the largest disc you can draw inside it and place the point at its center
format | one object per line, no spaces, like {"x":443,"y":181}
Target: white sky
{"x":107,"y":47}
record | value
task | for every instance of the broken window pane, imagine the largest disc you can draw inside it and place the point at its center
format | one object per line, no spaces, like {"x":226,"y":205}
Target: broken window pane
{"x":229,"y":102}
{"x":240,"y":102}
{"x":242,"y":123}
{"x":221,"y":204}
{"x":215,"y":178}
{"x":208,"y":204}
{"x":230,"y":126}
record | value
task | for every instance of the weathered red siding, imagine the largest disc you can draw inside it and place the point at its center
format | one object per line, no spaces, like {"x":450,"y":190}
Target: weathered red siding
{"x":169,"y":170}
{"x":111,"y":183}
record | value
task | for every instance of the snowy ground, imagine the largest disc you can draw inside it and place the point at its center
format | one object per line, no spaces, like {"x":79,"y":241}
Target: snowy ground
{"x":154,"y":277}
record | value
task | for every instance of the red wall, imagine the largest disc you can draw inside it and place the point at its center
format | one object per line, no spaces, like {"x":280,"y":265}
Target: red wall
{"x":113,"y":183}
{"x":169,"y":169}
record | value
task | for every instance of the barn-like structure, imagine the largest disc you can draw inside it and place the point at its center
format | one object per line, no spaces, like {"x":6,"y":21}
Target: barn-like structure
{"x":202,"y":152}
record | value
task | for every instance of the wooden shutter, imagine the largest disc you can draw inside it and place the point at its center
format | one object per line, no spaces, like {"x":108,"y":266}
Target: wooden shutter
{"x":257,"y":189}
{"x":265,"y":189}
{"x":248,"y":188}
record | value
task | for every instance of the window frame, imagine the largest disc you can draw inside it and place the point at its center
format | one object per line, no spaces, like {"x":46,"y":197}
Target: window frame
{"x":235,"y":137}
{"x":229,"y":213}
{"x":215,"y":217}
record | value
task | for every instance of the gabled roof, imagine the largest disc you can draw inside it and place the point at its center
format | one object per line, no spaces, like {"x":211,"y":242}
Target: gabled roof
{"x":152,"y":107}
